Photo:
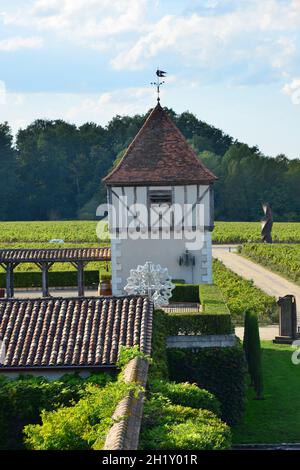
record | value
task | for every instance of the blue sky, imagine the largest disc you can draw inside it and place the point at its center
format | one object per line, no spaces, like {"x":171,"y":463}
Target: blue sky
{"x":234,"y":63}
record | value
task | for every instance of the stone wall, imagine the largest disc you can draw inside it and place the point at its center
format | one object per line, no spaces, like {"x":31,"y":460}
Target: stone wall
{"x":124,"y":433}
{"x":201,"y":341}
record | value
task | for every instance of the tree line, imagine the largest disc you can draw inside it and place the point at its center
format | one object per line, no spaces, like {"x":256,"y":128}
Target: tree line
{"x":53,"y":169}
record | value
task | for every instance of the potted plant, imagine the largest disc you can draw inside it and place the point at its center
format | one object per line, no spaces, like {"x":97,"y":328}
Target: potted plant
{"x":105,"y":284}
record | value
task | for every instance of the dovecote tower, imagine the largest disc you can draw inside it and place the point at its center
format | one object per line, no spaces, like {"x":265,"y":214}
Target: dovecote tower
{"x":160,"y":199}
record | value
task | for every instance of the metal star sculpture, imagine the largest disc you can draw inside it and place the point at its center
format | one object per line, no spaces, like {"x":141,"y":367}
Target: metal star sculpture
{"x":151,"y":280}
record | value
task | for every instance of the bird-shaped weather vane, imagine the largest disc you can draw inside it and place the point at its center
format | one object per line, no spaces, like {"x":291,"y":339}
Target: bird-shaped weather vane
{"x":158,"y":83}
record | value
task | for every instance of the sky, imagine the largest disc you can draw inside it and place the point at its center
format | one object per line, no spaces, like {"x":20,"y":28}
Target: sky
{"x":233,"y":63}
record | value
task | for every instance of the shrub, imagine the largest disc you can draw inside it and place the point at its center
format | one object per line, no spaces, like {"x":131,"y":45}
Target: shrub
{"x":56,"y":278}
{"x":185,"y":293}
{"x":159,"y":366}
{"x":168,"y":426}
{"x":186,"y":394}
{"x":199,"y":324}
{"x":219,"y":370}
{"x":79,"y":427}
{"x":253,"y":352}
{"x":23,"y":399}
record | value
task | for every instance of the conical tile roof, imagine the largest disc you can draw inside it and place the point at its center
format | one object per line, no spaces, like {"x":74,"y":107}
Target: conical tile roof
{"x":159,"y":155}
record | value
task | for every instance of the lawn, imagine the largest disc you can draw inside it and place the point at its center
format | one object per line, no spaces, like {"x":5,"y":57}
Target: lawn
{"x":277,"y":418}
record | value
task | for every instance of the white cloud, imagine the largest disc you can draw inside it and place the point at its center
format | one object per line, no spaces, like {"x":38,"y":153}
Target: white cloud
{"x":226,"y":36}
{"x":292,"y":89}
{"x":88,"y":22}
{"x":122,"y":102}
{"x":18,"y":42}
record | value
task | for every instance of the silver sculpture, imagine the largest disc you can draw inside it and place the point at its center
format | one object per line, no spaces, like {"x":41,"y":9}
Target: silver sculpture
{"x":151,"y":280}
{"x":267,"y":223}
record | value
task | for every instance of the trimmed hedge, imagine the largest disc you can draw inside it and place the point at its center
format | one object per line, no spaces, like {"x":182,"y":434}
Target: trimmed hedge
{"x":186,"y":394}
{"x":252,"y":350}
{"x":214,"y":318}
{"x":219,"y":370}
{"x":169,"y":426}
{"x":185,"y":293}
{"x":29,"y":279}
{"x":159,"y":365}
{"x":199,"y":324}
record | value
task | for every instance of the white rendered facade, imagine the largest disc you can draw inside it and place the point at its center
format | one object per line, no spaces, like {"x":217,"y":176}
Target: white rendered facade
{"x":139,"y":235}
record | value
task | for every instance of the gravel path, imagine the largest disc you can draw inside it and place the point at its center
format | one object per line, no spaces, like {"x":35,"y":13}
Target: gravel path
{"x":269,"y":282}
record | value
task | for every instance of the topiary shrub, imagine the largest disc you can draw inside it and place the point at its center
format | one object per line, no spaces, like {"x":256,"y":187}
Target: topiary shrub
{"x":159,"y":364}
{"x":253,"y":352}
{"x":168,"y":426}
{"x":186,"y":394}
{"x":185,"y":293}
{"x":221,"y":371}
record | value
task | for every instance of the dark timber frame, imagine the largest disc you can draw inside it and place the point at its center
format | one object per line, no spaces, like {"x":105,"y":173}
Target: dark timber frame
{"x":44,"y":259}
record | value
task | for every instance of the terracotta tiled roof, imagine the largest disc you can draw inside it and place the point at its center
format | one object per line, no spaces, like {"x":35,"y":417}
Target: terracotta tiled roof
{"x":159,"y":154}
{"x":75,"y":332}
{"x":55,"y":254}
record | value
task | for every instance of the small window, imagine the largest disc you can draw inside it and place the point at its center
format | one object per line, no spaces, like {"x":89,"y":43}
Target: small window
{"x":159,"y":198}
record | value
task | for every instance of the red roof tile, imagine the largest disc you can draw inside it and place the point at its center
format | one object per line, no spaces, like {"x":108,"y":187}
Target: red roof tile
{"x":75,"y":332}
{"x":54,"y":254}
{"x":159,"y":155}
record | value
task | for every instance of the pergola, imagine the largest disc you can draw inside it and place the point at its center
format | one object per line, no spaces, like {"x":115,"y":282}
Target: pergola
{"x":45,"y":258}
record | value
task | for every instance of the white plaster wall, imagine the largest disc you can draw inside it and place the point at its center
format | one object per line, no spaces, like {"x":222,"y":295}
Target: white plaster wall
{"x":182,"y":195}
{"x":128,"y":254}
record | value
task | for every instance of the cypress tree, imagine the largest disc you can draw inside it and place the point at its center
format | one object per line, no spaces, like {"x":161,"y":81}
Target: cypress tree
{"x":253,"y":352}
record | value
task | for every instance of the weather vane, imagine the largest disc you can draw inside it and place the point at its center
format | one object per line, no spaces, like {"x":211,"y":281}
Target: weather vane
{"x":158,"y":83}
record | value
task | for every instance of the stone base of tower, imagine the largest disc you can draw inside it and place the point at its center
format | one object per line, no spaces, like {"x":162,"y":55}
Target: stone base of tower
{"x":127,"y":254}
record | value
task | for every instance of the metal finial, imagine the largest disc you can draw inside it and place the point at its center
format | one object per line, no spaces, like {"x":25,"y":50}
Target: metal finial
{"x":158,"y":83}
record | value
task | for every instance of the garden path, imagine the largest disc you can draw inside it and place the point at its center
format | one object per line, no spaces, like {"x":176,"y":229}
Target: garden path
{"x":271,"y":283}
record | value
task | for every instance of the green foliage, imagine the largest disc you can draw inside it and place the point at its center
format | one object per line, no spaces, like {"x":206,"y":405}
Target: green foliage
{"x":81,"y":426}
{"x":253,"y":352}
{"x":244,"y":232}
{"x":159,"y":365}
{"x":240,"y":293}
{"x":23,"y":399}
{"x":219,"y":370}
{"x":56,"y":278}
{"x":186,"y":394}
{"x":80,"y":231}
{"x":212,"y":300}
{"x":199,"y":324}
{"x":54,"y":169}
{"x":128,"y":353}
{"x":185,"y":293}
{"x":105,"y":276}
{"x":285,"y":259}
{"x":277,"y":418}
{"x":169,"y":426}
{"x":76,"y":231}
{"x":213,"y":319}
